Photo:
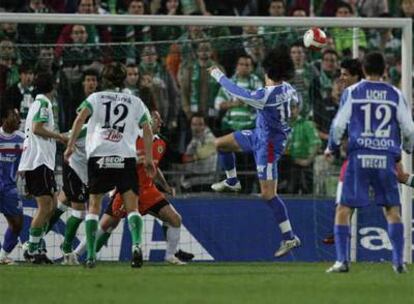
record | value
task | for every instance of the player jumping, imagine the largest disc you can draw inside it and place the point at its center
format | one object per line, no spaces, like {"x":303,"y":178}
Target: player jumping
{"x":267,"y":141}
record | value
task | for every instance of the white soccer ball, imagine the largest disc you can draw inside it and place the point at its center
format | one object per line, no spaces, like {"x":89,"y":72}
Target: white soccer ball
{"x":314,"y":39}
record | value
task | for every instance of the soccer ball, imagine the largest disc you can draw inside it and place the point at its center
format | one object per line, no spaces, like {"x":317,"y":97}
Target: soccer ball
{"x":314,"y":39}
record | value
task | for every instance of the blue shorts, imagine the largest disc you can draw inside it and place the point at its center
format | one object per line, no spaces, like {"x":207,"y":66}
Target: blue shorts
{"x":367,"y":172}
{"x":10,"y":203}
{"x":266,"y":154}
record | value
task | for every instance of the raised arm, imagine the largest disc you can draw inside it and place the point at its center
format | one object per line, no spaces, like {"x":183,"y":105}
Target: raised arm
{"x":255,"y":99}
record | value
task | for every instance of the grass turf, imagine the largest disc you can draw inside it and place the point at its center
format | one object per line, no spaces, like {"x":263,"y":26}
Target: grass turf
{"x":204,"y":283}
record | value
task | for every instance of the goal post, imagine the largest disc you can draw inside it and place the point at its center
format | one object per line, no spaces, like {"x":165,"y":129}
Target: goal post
{"x":404,"y":24}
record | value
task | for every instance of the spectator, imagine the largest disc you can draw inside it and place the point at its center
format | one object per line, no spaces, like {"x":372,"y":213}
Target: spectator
{"x":78,"y":56}
{"x":131,"y":33}
{"x":8,"y":31}
{"x":161,"y":33}
{"x":87,"y":85}
{"x":20,"y":95}
{"x":163,"y":86}
{"x":255,"y":48}
{"x":132,"y":79}
{"x":384,"y":40}
{"x":198,"y":89}
{"x":304,"y":73}
{"x":96,"y":33}
{"x":372,"y":8}
{"x":321,"y":85}
{"x":239,"y":116}
{"x":190,"y":7}
{"x":303,"y":145}
{"x":343,"y":37}
{"x":200,"y":158}
{"x":275,"y":34}
{"x":9,"y":74}
{"x":46,"y":61}
{"x":36,"y":33}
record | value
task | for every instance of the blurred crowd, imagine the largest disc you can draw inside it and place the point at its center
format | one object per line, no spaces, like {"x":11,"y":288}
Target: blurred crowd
{"x":167,"y":68}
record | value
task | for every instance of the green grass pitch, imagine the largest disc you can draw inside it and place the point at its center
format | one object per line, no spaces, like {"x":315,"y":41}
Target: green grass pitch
{"x":205,"y":283}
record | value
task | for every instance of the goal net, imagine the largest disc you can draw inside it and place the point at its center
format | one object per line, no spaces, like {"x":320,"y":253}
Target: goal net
{"x":167,"y":60}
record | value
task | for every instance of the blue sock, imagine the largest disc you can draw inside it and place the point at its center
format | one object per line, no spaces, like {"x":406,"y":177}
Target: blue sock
{"x":342,"y":242}
{"x":228,"y":163}
{"x":280,"y":212}
{"x":10,"y":240}
{"x":396,"y":234}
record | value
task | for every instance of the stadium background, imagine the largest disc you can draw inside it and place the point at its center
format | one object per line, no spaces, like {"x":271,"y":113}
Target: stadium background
{"x":171,"y":62}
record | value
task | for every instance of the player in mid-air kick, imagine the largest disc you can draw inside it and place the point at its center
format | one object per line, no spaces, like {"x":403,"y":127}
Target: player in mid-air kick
{"x":378,"y":121}
{"x":267,"y":141}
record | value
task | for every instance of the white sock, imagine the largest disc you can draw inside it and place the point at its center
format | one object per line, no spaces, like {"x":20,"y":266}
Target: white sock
{"x":81,"y":248}
{"x":3,"y":254}
{"x":231,"y":173}
{"x":173,"y":237}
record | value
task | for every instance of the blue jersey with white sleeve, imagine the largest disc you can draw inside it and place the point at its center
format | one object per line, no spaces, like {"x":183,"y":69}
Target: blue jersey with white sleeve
{"x":375,"y":114}
{"x":11,"y":146}
{"x":268,"y":140}
{"x":272,"y":103}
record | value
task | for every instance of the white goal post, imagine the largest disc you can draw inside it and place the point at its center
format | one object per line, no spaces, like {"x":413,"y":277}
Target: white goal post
{"x":405,"y":24}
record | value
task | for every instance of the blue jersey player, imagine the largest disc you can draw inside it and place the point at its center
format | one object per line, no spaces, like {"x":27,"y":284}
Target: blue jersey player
{"x":375,"y":114}
{"x":267,"y":141}
{"x":11,"y":142}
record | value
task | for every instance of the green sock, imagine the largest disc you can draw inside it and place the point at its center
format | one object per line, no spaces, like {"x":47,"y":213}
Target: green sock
{"x":72,"y":226}
{"x":102,"y":240}
{"x":135,"y":224}
{"x":34,"y":239}
{"x":91,"y":225}
{"x":55,"y":217}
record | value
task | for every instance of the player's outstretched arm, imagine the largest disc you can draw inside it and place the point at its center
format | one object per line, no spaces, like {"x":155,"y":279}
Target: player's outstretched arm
{"x":252,"y":98}
{"x":160,"y":178}
{"x":76,"y":129}
{"x":40,"y":130}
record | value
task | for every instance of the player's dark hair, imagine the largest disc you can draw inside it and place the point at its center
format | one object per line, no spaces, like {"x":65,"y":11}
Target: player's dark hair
{"x":44,"y":83}
{"x":198,"y":115}
{"x":5,"y":110}
{"x":353,"y":66}
{"x":90,"y":72}
{"x":245,"y":56}
{"x":329,"y":51}
{"x":25,"y":69}
{"x":113,"y":75}
{"x":374,"y":64}
{"x":278,"y":65}
{"x":342,"y":4}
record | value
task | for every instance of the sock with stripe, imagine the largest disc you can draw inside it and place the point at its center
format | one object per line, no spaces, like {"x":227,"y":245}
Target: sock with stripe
{"x":280,"y":212}
{"x":135,"y":224}
{"x":91,"y":225}
{"x":72,"y":226}
{"x":35,"y":234}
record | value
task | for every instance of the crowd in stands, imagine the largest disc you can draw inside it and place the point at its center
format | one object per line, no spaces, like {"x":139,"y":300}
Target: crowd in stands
{"x":167,"y":68}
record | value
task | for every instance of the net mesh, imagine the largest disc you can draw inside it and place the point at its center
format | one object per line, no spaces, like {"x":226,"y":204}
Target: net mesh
{"x":171,"y":63}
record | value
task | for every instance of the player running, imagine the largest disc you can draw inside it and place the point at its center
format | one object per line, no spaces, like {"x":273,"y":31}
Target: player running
{"x":375,"y":115}
{"x":114,"y":121}
{"x":267,"y":141}
{"x":151,"y":201}
{"x":11,"y":145}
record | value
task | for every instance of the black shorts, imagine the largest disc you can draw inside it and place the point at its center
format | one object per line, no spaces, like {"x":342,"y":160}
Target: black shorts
{"x":40,"y":181}
{"x":75,"y":190}
{"x":107,"y":172}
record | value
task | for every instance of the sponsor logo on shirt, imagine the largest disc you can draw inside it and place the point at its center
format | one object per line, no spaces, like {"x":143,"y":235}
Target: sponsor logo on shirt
{"x":376,"y":143}
{"x":373,"y":161}
{"x":112,"y":135}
